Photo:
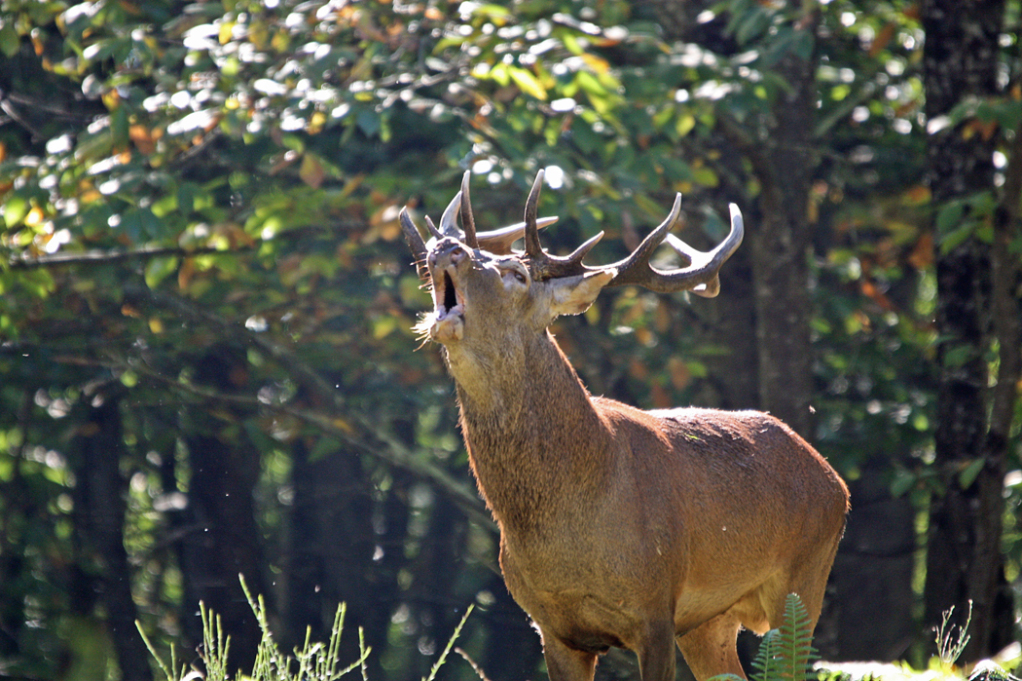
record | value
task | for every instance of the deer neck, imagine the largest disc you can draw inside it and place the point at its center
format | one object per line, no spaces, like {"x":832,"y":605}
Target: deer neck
{"x":535,"y":439}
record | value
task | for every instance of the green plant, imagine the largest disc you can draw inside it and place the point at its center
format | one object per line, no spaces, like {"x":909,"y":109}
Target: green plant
{"x":786,"y":652}
{"x":950,"y":646}
{"x":313,"y":662}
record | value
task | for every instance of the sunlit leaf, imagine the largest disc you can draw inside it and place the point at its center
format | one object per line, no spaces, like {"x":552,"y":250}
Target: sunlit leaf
{"x":705,"y":176}
{"x":527,"y":82}
{"x":15,"y":208}
{"x":311,"y":171}
{"x":159,"y":269}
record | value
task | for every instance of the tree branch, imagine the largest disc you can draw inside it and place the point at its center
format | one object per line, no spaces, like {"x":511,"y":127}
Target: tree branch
{"x":96,"y":257}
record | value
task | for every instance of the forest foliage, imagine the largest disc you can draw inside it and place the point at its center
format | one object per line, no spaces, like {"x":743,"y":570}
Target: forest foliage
{"x":206,"y":309}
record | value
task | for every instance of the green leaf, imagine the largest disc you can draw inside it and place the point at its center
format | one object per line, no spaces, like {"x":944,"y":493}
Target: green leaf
{"x":159,"y":269}
{"x":186,"y":197}
{"x":958,"y":355}
{"x":968,"y":475}
{"x":589,"y":83}
{"x":140,"y":224}
{"x":903,"y":481}
{"x":119,"y":127}
{"x":705,"y":176}
{"x":753,"y":24}
{"x":324,"y":447}
{"x":15,"y":209}
{"x":956,"y":237}
{"x":368,"y":121}
{"x":584,"y":137}
{"x":9,"y":41}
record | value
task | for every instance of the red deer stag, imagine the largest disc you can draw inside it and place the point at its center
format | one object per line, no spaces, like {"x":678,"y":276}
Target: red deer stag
{"x":619,"y":527}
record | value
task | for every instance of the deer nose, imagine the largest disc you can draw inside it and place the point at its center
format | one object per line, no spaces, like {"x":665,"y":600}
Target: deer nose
{"x":448,"y":251}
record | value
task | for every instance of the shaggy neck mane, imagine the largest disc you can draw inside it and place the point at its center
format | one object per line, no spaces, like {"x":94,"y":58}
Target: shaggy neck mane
{"x":523,"y":410}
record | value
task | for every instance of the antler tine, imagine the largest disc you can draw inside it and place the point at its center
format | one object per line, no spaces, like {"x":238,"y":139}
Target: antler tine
{"x":532,"y":245}
{"x":542,"y":264}
{"x":467,"y":220}
{"x":437,"y":234}
{"x":415,"y":243}
{"x":701,"y":274}
{"x":498,"y":241}
{"x":449,"y":220}
{"x":635,"y":269}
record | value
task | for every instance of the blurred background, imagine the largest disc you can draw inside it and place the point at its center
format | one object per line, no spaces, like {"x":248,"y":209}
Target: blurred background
{"x":207,"y":366}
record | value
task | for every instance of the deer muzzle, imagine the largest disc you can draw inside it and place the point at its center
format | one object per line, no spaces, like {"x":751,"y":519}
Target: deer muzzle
{"x":445,"y":261}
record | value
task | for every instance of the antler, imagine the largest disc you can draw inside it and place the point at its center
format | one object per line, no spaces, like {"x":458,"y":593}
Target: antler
{"x":542,"y":264}
{"x":497,"y":241}
{"x":461,"y":203}
{"x":699,"y":275}
{"x":415,"y":242}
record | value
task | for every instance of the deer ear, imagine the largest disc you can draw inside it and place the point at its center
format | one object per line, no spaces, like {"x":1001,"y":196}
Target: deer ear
{"x":574,"y":295}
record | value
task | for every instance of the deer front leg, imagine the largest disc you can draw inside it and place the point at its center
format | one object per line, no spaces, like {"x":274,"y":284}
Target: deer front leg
{"x":709,"y":649}
{"x":567,"y":664}
{"x":656,"y":652}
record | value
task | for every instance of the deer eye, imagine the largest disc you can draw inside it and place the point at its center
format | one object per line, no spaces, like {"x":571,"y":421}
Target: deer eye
{"x":518,"y":275}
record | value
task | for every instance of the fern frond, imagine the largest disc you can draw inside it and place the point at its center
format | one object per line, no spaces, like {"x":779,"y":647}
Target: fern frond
{"x":765,"y":663}
{"x":795,"y":639}
{"x":786,"y":652}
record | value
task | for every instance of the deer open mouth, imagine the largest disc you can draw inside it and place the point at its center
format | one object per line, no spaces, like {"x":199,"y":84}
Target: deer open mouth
{"x":449,"y":316}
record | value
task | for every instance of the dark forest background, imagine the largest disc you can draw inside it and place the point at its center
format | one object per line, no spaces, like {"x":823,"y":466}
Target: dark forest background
{"x":207,"y":366}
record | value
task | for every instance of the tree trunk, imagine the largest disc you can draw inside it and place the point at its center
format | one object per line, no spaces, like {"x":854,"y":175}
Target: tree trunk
{"x":780,"y":251}
{"x":98,"y":448}
{"x":334,"y":546}
{"x":964,"y":561}
{"x":223,"y":540}
{"x":873,"y":571}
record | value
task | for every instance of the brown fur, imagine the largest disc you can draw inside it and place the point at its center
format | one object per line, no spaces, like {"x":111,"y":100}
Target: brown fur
{"x":622,"y":527}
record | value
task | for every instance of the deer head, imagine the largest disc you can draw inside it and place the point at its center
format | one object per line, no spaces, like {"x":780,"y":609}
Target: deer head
{"x":479,"y":283}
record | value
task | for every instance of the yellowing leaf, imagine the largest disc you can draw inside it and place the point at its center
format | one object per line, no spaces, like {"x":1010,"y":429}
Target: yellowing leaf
{"x":185,"y":273}
{"x":705,"y":176}
{"x":597,"y":64}
{"x":527,"y":82}
{"x":343,"y":425}
{"x":10,"y":43}
{"x":316,"y":123}
{"x":917,"y":194}
{"x":144,"y":138}
{"x":685,"y":124}
{"x":383,"y":326}
{"x":258,"y":34}
{"x":226,"y":29}
{"x":312,"y":172}
{"x":34,"y":217}
{"x":661,"y":399}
